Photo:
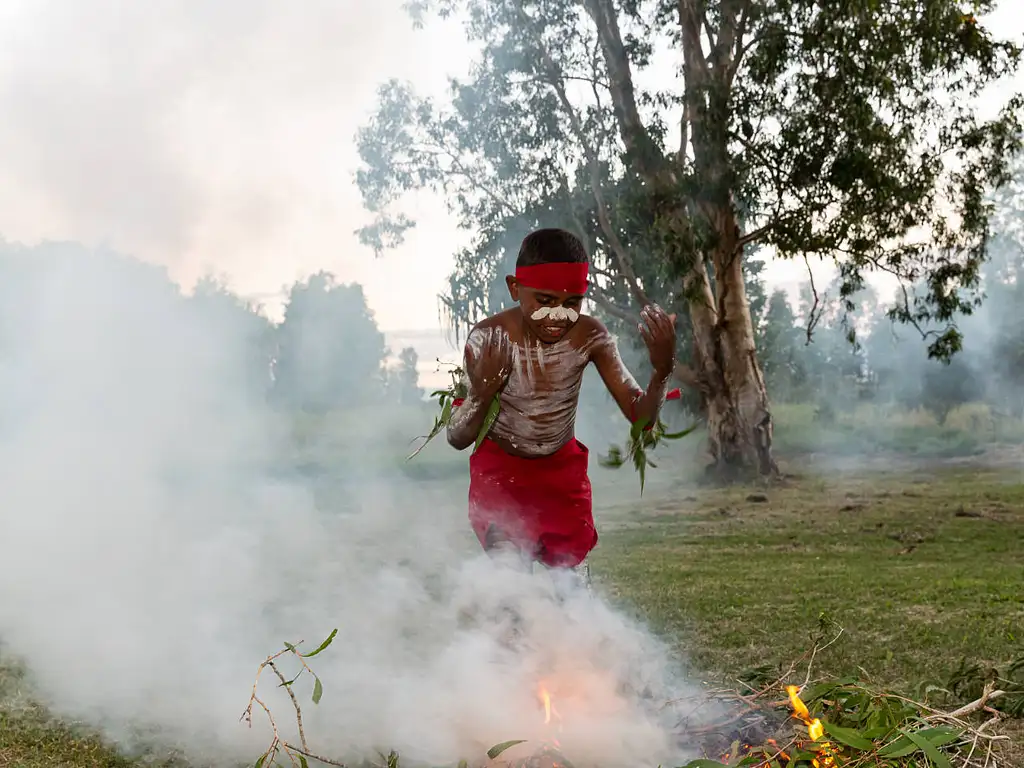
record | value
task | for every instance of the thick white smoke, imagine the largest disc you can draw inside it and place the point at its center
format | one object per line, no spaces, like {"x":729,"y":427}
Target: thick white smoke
{"x":155,"y":551}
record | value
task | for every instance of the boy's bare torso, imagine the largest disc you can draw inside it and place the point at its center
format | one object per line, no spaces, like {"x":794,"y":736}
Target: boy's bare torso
{"x":540,"y":397}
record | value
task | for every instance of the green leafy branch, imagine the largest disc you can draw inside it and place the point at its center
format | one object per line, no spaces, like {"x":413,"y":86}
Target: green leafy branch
{"x":446,"y":398}
{"x":860,"y":726}
{"x":641,"y":442}
{"x":296,"y":754}
{"x":299,"y":755}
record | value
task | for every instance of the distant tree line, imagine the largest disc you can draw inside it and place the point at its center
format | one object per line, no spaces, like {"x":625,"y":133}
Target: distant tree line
{"x":328,"y":354}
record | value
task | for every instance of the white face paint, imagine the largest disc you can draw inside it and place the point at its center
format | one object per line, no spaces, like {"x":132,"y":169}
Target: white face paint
{"x":556,"y":313}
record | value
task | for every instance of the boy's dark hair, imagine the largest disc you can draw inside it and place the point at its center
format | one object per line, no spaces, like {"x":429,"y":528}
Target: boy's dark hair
{"x":551,"y":246}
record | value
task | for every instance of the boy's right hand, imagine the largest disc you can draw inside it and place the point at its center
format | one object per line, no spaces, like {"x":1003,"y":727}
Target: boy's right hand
{"x":488,"y":360}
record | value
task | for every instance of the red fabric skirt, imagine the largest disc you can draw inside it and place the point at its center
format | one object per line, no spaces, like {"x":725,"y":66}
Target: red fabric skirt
{"x":541,"y":506}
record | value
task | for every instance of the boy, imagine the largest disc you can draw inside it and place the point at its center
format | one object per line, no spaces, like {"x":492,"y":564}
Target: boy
{"x":529,"y":489}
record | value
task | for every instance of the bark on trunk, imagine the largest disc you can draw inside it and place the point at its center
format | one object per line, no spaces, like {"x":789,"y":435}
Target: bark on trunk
{"x":736,"y":406}
{"x":725,"y":370}
{"x":739,"y":419}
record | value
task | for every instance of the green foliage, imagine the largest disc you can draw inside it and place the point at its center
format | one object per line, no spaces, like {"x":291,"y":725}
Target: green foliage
{"x":861,"y":727}
{"x":329,"y":349}
{"x":403,"y":381}
{"x":252,"y":334}
{"x":322,"y":646}
{"x":318,"y":688}
{"x":847,"y":131}
{"x":457,"y":390}
{"x":489,"y":418}
{"x":863,"y":429}
{"x":641,"y":441}
{"x":497,"y":749}
{"x":970,"y":680}
{"x":296,"y":754}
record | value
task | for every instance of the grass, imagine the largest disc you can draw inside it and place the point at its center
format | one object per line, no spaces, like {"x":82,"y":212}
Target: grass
{"x":921,"y":568}
{"x":966,"y":430}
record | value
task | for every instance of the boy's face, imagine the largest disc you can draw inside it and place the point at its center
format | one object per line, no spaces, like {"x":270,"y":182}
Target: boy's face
{"x":549,"y":314}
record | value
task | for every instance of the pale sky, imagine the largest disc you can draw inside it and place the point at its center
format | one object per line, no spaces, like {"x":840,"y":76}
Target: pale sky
{"x":218,"y":137}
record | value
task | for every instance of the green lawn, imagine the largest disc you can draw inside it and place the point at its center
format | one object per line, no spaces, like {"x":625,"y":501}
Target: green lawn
{"x":919,"y":568}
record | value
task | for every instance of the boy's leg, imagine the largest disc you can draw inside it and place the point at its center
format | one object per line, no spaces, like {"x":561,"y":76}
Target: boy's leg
{"x":582,"y":572}
{"x":499,"y":546}
{"x":571,"y":579}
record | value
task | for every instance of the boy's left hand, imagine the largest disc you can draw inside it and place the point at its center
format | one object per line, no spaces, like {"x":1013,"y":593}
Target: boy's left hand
{"x":659,"y":331}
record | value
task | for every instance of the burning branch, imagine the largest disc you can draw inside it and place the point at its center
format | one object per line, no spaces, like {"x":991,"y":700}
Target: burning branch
{"x":846,"y":723}
{"x":840,"y":723}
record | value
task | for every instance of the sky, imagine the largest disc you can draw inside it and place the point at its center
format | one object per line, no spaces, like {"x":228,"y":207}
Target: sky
{"x":218,"y":138}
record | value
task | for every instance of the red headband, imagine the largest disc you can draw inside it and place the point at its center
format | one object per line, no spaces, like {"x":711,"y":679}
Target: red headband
{"x":558,"y":277}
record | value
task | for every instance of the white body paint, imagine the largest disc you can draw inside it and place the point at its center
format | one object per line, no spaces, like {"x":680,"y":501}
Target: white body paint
{"x":535,"y":419}
{"x":556,"y":313}
{"x":539,"y":400}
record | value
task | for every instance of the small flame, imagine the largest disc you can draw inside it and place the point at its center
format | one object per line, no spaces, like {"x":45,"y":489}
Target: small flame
{"x":798,"y":706}
{"x":814,"y":727}
{"x":549,"y":708}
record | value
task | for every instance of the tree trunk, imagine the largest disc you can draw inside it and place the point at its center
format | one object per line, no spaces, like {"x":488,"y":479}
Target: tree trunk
{"x":736,"y":406}
{"x":726,"y":372}
{"x":739,"y":420}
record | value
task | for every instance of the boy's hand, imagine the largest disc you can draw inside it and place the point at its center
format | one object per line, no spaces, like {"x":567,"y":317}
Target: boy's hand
{"x":489,"y":361}
{"x":659,"y":332}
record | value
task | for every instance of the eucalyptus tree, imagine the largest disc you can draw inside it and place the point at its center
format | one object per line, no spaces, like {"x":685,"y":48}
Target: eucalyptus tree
{"x":677,"y":138}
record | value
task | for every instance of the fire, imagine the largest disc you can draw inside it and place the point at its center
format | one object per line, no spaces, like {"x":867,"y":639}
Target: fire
{"x":814,"y":727}
{"x":799,"y":708}
{"x":549,"y":708}
{"x":551,"y":749}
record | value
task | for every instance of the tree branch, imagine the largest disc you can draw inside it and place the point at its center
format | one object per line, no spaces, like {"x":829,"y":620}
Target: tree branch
{"x":987,"y":695}
{"x":556,"y":81}
{"x":814,"y":315}
{"x":691,"y":19}
{"x":738,"y":47}
{"x":683,"y":373}
{"x":695,"y":69}
{"x":684,"y":135}
{"x":687,"y":376}
{"x":625,"y":262}
{"x":631,"y":127}
{"x":728,"y":31}
{"x":599,"y":297}
{"x":754,"y":235}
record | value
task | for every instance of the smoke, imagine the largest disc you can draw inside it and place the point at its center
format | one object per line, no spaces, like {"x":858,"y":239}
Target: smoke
{"x":158,"y":546}
{"x":213,"y":135}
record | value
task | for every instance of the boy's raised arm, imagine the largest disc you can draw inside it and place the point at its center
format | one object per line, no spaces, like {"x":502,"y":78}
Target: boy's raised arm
{"x":658,"y":331}
{"x":487,"y":362}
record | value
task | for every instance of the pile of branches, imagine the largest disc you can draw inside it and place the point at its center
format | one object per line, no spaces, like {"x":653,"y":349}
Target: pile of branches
{"x":786,"y":720}
{"x":792,"y":720}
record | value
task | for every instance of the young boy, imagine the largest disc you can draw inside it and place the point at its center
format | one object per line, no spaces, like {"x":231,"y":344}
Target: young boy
{"x":529,"y":490}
